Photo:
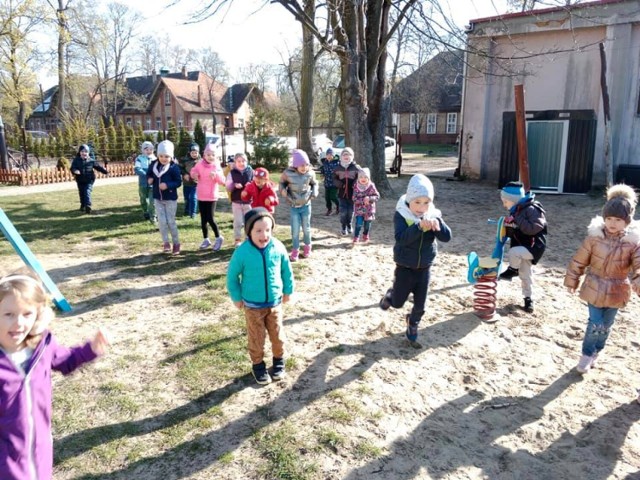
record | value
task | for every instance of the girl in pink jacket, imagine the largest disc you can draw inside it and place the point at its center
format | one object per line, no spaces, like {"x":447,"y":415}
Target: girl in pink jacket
{"x":208,"y":175}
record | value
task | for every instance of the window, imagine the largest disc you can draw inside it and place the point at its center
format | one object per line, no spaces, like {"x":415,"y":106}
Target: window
{"x":168,"y":120}
{"x":452,"y":122}
{"x":128,"y":121}
{"x":158,"y":123}
{"x":241,"y":123}
{"x":167,"y":97}
{"x":180,"y":123}
{"x":148,"y":124}
{"x":412,"y":123}
{"x":432,"y":119}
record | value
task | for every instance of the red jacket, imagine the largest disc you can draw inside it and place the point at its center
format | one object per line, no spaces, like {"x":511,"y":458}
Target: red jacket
{"x":258,"y":196}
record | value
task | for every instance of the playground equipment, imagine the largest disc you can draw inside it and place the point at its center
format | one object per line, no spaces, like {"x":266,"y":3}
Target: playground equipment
{"x":21,"y":248}
{"x":483,"y":274}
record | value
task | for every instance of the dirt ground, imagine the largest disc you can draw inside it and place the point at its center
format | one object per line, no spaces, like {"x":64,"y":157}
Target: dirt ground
{"x":478,"y":401}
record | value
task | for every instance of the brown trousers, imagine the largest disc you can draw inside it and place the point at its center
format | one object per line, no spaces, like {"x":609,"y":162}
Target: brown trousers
{"x":261,"y":321}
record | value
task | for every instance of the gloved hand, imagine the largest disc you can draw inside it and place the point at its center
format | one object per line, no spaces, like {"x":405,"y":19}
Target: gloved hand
{"x":510,"y":222}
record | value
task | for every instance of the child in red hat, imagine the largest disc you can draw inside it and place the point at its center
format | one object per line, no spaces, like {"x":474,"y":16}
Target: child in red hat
{"x":260,"y":191}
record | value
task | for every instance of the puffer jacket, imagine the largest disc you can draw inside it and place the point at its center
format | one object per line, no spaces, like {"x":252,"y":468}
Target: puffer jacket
{"x":529,"y":227}
{"x":344,"y":179}
{"x":607,"y":261}
{"x":86,"y":169}
{"x":298,"y":188}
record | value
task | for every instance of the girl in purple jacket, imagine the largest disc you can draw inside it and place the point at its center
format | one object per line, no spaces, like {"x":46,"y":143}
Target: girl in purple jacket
{"x":28,"y":353}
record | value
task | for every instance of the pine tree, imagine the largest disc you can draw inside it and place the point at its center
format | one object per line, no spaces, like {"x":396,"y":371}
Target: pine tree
{"x":198,"y":136}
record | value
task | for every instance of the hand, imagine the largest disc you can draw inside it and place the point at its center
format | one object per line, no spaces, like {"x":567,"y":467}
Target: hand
{"x":244,"y":195}
{"x":163,"y":186}
{"x":100,"y":342}
{"x":185,"y":177}
{"x":238,"y":304}
{"x":366,"y":201}
{"x":430,"y":224}
{"x":286,"y":298}
{"x":267,"y":202}
{"x":150,"y":181}
{"x":76,"y":172}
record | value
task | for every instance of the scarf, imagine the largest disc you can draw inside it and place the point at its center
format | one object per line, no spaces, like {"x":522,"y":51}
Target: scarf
{"x":159,"y":173}
{"x":403,"y":209}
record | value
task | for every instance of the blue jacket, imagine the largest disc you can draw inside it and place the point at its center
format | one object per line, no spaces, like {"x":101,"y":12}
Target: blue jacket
{"x":86,"y":169}
{"x":260,"y":276}
{"x":171,"y":177}
{"x":415,"y":248}
{"x":140,"y":168}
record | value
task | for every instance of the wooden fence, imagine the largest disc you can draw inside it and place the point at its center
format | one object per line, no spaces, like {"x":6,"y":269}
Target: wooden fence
{"x":43,"y":176}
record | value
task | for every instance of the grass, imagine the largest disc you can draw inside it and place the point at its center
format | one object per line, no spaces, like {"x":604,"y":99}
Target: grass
{"x":284,"y":453}
{"x":431,"y":149}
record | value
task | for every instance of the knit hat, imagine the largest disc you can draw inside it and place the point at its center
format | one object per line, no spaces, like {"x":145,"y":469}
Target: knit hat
{"x":347,"y":150}
{"x":194,"y":147}
{"x":512,"y":192}
{"x":210,"y":148}
{"x":419,"y":186}
{"x":165,"y":147}
{"x":84,"y":147}
{"x":253,"y":215}
{"x":329,"y":151}
{"x":300,"y":158}
{"x":261,"y":172}
{"x":364,"y":172}
{"x":146,"y":145}
{"x":621,"y":203}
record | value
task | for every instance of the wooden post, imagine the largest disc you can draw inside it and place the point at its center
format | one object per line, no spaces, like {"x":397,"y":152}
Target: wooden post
{"x":521,"y":134}
{"x":607,"y":116}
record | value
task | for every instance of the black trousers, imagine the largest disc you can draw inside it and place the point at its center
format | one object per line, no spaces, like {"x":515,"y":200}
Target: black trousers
{"x":207,"y":212}
{"x":411,"y":280}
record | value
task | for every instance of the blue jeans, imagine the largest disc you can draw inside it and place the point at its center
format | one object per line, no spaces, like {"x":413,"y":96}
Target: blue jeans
{"x":360,"y":221}
{"x":190,"y":203}
{"x":301,"y":216}
{"x":84,"y":191}
{"x":598,"y":328}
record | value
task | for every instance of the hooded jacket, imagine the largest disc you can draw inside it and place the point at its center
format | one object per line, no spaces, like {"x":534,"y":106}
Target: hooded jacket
{"x":86,"y":169}
{"x":607,"y":261}
{"x":529,"y":227}
{"x":25,"y":408}
{"x":170,"y":176}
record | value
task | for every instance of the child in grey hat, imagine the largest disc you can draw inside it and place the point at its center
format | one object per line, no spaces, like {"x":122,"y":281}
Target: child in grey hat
{"x":145,"y":192}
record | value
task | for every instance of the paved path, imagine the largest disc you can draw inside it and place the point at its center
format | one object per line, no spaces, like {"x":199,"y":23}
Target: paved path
{"x":54,"y":187}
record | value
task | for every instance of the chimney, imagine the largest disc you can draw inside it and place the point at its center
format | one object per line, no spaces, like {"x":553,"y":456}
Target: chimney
{"x":199,"y":96}
{"x":153,"y":75}
{"x":184,"y":71}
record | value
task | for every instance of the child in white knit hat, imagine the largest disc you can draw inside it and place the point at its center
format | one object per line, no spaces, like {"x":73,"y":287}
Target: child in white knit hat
{"x":365,"y":196}
{"x":418,"y":226}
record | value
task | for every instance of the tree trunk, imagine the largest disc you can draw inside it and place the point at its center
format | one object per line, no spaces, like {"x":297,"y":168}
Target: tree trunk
{"x":307,"y":83}
{"x":62,"y":46}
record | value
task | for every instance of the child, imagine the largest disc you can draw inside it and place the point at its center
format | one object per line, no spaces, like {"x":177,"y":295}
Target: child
{"x":260,"y":280}
{"x":207,"y":175}
{"x":28,"y":353}
{"x":164,"y":176}
{"x":329,"y":164}
{"x":229,"y":165}
{"x":609,"y":253}
{"x":145,"y":192}
{"x":188,"y":185}
{"x":260,"y":192}
{"x":344,"y":176}
{"x":526,"y":227}
{"x":239,"y":176}
{"x":365,"y":196}
{"x":298,"y":186}
{"x":82,"y":168}
{"x":417,"y":224}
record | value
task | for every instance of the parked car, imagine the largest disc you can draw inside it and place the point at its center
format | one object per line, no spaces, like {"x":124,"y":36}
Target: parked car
{"x":37,"y":134}
{"x":235,"y":144}
{"x":320,"y":143}
{"x":389,"y":150}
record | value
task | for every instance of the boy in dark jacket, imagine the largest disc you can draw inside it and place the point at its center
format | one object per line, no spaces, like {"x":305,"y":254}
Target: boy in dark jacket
{"x":526,"y":227}
{"x":188,"y":185}
{"x":83,"y":167}
{"x":418,"y":224}
{"x":344,"y":177}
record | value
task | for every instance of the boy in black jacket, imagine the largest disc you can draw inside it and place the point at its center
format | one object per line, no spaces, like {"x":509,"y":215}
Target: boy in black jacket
{"x":82,"y":168}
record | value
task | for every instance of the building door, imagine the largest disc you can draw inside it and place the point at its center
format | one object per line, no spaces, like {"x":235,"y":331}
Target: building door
{"x":547,"y":154}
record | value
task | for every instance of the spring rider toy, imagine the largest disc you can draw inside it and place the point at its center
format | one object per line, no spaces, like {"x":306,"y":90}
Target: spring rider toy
{"x":483,"y":275}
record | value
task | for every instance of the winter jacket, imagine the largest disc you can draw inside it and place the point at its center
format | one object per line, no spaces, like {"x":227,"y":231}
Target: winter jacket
{"x":415,"y":248}
{"x":86,"y":169}
{"x":260,"y":276}
{"x":298,"y":188}
{"x":344,"y":178}
{"x":25,"y":408}
{"x":186,"y":164}
{"x":170,"y":176}
{"x":257,"y":196}
{"x":607,"y":261}
{"x":529,"y":227}
{"x":140,"y":168}
{"x":236,"y":176}
{"x":327,"y":169}
{"x":207,"y":177}
{"x":361,"y":209}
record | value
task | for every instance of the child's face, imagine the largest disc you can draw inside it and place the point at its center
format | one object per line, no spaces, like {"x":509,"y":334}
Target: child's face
{"x":329,"y":156}
{"x":419,"y":206}
{"x":209,"y":156}
{"x":84,"y":154}
{"x":260,"y":181}
{"x":362,"y":180}
{"x":345,"y":157}
{"x":240,"y":163}
{"x":614,"y":225}
{"x":16,"y":321}
{"x":507,"y":204}
{"x":303,"y":168}
{"x":261,"y":232}
{"x":164,"y":159}
{"x":194,"y":154}
{"x":148,"y":151}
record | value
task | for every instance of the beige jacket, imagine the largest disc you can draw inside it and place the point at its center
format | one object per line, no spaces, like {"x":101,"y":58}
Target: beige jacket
{"x":607,"y":262}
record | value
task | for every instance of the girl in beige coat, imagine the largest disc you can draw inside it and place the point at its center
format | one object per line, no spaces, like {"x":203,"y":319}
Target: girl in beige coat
{"x":609,"y":253}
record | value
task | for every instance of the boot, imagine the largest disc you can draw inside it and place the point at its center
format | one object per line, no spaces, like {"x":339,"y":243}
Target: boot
{"x":278,"y":371}
{"x":87,"y":210}
{"x":528,"y":305}
{"x":509,"y":273}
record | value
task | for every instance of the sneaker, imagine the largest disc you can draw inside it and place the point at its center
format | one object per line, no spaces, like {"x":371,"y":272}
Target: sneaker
{"x":294,"y":255}
{"x":306,"y":251}
{"x":412,"y":331}
{"x":528,"y":305}
{"x":206,"y":243}
{"x":343,"y":232}
{"x":218,"y":244}
{"x":365,"y":238}
{"x":278,"y":372}
{"x":327,"y":213}
{"x":594,"y":357}
{"x":166,"y":247}
{"x":509,"y":273}
{"x":385,"y":302}
{"x":147,"y":216}
{"x":584,"y":364}
{"x":349,"y":229}
{"x":355,"y":241}
{"x":176,"y":249}
{"x":260,"y":374}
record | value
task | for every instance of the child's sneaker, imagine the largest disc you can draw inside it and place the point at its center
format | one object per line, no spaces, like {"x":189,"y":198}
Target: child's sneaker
{"x":354,"y":242}
{"x":365,"y":238}
{"x":176,"y":249}
{"x":528,"y":305}
{"x":328,"y":212}
{"x":206,"y":243}
{"x":385,"y":302}
{"x":584,"y":364}
{"x":509,"y":273}
{"x":306,"y":251}
{"x":412,"y":331}
{"x":594,"y":357}
{"x":166,"y":247}
{"x":278,"y":372}
{"x":294,"y":255}
{"x":260,"y":373}
{"x":343,"y":232}
{"x":348,"y":229}
{"x":217,"y":245}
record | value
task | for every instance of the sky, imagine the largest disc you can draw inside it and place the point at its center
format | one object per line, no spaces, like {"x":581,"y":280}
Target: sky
{"x":241,"y":36}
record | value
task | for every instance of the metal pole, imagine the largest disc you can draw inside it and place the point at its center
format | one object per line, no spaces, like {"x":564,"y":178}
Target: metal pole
{"x":4,"y":158}
{"x":521,"y":133}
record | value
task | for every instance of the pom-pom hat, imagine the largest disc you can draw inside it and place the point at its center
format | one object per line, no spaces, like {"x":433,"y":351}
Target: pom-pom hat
{"x":621,"y":203}
{"x":512,"y":192}
{"x":253,"y":215}
{"x":261,"y":172}
{"x":300,"y":158}
{"x":419,"y":186}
